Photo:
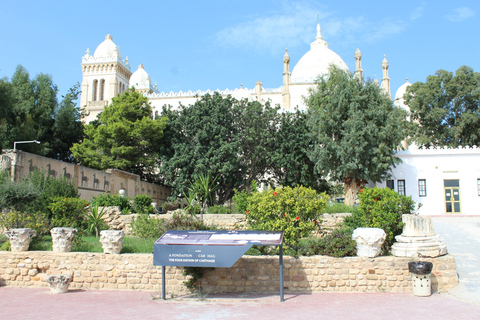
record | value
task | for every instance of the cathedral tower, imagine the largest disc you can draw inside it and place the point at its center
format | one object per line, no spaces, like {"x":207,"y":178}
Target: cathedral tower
{"x":105,"y":75}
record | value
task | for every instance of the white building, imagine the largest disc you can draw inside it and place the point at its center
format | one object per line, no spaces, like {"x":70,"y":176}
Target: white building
{"x":442,"y":180}
{"x":105,"y":75}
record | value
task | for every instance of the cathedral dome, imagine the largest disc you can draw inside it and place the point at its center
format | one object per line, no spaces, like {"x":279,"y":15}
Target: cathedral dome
{"x":402,"y":90}
{"x":399,"y":100}
{"x":316,"y":62}
{"x":107,"y":49}
{"x":140,"y":78}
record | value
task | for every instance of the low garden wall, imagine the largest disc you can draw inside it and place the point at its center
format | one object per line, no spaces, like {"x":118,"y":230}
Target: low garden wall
{"x":118,"y":221}
{"x":249,"y":274}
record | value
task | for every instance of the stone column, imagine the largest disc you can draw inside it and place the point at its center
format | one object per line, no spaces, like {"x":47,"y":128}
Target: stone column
{"x":20,"y":238}
{"x":59,"y":282}
{"x":369,"y":241}
{"x":112,"y":241}
{"x":62,"y":239}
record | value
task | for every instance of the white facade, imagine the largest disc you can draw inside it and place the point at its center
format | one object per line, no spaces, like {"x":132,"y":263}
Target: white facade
{"x":444,"y":181}
{"x":105,"y":75}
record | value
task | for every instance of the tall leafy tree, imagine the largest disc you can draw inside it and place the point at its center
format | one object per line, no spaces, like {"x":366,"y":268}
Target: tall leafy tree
{"x":125,"y":137}
{"x":445,"y":110}
{"x":68,"y":128}
{"x":230,"y":139}
{"x":290,"y":156}
{"x":355,"y":130}
{"x":6,"y":113}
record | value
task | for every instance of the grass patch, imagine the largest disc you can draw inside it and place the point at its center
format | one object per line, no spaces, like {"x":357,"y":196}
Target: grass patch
{"x":92,"y":244}
{"x":340,"y":208}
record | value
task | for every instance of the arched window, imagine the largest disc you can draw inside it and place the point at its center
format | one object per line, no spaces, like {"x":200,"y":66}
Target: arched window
{"x":102,"y":89}
{"x":95,"y":88}
{"x":123,"y":87}
{"x":119,"y":88}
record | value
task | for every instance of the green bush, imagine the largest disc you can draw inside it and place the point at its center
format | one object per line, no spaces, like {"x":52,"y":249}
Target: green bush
{"x":337,"y":244}
{"x":16,"y":219}
{"x":219,"y":209}
{"x":49,"y":189}
{"x":112,"y":200}
{"x":339,"y":208}
{"x":240,"y":198}
{"x":68,"y":213}
{"x":292,"y":210}
{"x":381,"y":208}
{"x":142,"y":203}
{"x":147,"y":227}
{"x":17,"y":195}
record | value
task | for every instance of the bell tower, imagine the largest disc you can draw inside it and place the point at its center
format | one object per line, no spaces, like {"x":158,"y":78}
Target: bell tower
{"x":105,"y":75}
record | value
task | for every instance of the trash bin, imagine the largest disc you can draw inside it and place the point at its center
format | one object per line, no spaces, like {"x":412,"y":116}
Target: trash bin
{"x":421,"y":277}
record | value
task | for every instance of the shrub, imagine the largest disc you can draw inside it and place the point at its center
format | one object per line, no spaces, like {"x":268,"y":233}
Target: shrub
{"x":339,"y":208}
{"x":292,"y":210}
{"x":16,"y":219}
{"x":148,"y":227}
{"x":112,"y":200}
{"x":17,"y":195}
{"x":49,"y":189}
{"x":143,"y":204}
{"x":381,"y":208}
{"x":95,"y":219}
{"x":219,"y":209}
{"x":68,"y":212}
{"x":337,"y":244}
{"x":240,"y":198}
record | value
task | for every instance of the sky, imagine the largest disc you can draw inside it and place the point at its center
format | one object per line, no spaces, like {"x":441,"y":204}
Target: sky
{"x":219,"y":44}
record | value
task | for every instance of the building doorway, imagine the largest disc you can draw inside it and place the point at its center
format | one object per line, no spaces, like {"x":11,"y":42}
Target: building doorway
{"x":452,"y":196}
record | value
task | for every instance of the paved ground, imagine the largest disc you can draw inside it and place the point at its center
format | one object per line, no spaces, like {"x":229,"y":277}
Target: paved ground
{"x":462,"y":236}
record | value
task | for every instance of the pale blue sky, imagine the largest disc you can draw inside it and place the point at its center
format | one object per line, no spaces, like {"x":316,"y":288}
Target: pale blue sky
{"x":213,"y":44}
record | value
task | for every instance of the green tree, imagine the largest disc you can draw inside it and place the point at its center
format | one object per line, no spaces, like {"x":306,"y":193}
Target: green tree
{"x":28,"y":111}
{"x":68,"y":128}
{"x":290,"y":156}
{"x":445,"y":110}
{"x":125,"y":137}
{"x":230,"y":139}
{"x":355,"y":130}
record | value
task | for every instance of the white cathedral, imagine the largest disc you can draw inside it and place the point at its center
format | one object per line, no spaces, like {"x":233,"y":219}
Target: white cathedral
{"x":444,"y":181}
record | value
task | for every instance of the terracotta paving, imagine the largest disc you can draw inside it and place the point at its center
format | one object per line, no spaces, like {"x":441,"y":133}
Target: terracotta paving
{"x":31,"y":303}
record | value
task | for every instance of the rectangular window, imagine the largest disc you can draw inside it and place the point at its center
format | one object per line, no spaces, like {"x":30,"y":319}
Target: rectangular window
{"x":422,"y":188}
{"x":478,"y":187}
{"x":390,"y":184}
{"x":401,"y":187}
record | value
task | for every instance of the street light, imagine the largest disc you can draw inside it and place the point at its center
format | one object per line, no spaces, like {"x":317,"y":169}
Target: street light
{"x":15,"y":143}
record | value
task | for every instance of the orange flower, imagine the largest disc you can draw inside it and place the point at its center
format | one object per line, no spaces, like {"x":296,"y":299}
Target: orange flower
{"x":361,"y":190}
{"x":374,"y":199}
{"x":297,"y":218}
{"x":284,"y":215}
{"x":247,"y":211}
{"x":275,"y":193}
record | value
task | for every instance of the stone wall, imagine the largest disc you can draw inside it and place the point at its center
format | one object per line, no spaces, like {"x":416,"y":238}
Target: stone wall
{"x":249,"y":274}
{"x":117,"y":221}
{"x":90,"y":182}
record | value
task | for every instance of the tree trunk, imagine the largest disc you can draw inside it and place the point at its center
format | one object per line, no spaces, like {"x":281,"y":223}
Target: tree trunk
{"x":351,"y":190}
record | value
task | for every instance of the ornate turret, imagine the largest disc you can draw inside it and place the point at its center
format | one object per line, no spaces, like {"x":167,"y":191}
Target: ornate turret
{"x":358,"y":65}
{"x":286,"y":80}
{"x":385,"y":79}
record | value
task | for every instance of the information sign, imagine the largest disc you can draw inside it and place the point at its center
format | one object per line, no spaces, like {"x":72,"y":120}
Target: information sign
{"x":206,"y":248}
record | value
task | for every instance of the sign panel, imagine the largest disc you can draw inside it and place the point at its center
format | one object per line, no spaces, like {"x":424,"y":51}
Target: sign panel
{"x":209,"y":248}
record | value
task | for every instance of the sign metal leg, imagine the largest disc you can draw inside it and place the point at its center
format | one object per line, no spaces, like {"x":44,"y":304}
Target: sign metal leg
{"x":281,"y":273}
{"x":163,"y":283}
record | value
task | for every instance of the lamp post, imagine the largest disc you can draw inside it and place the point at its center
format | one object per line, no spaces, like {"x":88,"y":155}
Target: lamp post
{"x":15,"y":157}
{"x":32,"y":141}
